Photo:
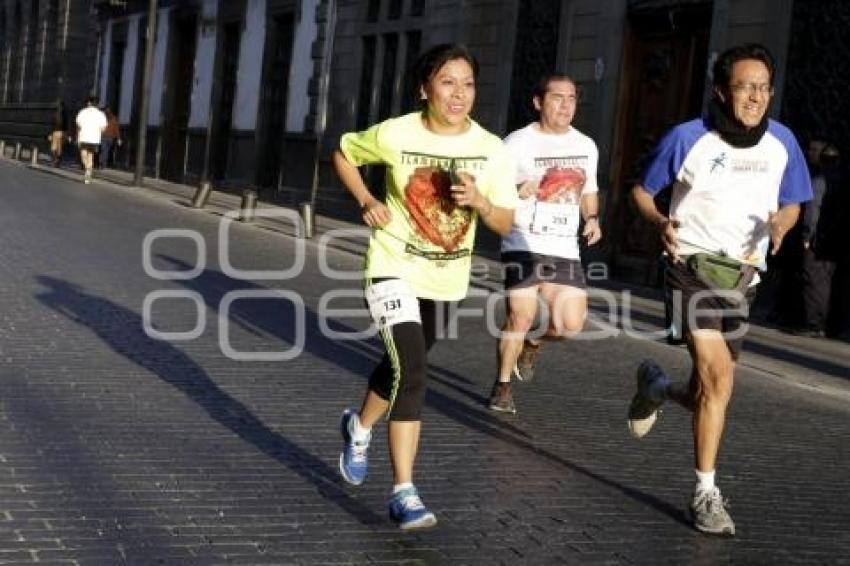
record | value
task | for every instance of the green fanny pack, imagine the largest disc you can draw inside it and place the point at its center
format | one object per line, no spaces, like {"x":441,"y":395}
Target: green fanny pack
{"x":720,"y":272}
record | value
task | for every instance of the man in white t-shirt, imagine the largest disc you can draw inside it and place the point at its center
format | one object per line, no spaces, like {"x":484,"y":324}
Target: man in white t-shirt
{"x":91,"y":123}
{"x":738,"y":179}
{"x":556,"y":180}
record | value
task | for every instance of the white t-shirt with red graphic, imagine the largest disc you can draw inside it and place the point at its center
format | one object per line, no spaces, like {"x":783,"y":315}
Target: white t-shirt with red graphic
{"x":564,"y":168}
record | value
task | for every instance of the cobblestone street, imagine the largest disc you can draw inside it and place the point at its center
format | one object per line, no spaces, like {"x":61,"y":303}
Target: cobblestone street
{"x":116,"y":447}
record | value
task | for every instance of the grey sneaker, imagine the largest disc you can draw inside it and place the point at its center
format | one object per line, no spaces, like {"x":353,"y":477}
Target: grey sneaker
{"x":501,"y":398}
{"x":524,"y":368}
{"x":643,"y":410}
{"x":708,"y":511}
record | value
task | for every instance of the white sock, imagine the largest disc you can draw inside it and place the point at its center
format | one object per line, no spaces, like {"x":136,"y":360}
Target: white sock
{"x":705,"y":480}
{"x":358,"y":431}
{"x":401,"y":486}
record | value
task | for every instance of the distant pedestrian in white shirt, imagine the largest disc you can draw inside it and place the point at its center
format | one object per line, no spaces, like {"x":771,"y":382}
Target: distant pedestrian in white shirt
{"x":91,"y":123}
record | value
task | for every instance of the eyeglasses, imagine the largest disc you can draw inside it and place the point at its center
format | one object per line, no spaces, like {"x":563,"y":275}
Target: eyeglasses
{"x":752,"y":88}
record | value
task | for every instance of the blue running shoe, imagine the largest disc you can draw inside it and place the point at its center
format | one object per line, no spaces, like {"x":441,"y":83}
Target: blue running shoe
{"x":353,"y":461}
{"x":408,"y":511}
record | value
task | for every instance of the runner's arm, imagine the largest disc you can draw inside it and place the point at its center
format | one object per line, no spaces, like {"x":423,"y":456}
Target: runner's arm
{"x":375,"y":213}
{"x":590,"y":214}
{"x":780,"y":222}
{"x":498,"y":219}
{"x":645,"y":203}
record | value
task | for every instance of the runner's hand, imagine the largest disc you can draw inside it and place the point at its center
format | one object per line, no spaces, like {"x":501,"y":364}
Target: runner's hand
{"x":466,"y":194}
{"x":592,"y":231}
{"x":376,"y":214}
{"x":670,"y":238}
{"x":528,"y":188}
{"x":777,"y":232}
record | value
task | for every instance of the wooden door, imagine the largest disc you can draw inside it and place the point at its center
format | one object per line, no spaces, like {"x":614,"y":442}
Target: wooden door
{"x":664,"y":83}
{"x":223,"y":111}
{"x":274,"y":97}
{"x":184,"y":32}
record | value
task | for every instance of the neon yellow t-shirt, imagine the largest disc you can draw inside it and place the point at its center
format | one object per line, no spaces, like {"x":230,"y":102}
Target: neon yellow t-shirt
{"x":429,"y":241}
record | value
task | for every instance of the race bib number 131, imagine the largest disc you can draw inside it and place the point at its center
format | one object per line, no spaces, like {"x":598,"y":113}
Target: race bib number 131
{"x":391,"y":302}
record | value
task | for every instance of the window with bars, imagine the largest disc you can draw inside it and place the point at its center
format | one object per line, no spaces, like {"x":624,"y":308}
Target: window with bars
{"x":373,"y":11}
{"x":389,"y":49}
{"x":534,"y":56}
{"x":409,"y":96}
{"x":388,"y":75}
{"x":13,"y":58}
{"x":394,"y":10}
{"x":819,"y":45}
{"x":367,"y":71}
{"x":54,"y":28}
{"x":32,"y":50}
{"x":113,"y":92}
{"x":3,"y":57}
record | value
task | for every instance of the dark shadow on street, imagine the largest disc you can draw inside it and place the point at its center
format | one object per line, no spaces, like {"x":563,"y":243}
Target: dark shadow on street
{"x":357,"y":356}
{"x":755,"y":344}
{"x":122,"y":330}
{"x":361,"y":356}
{"x":808,"y":362}
{"x":64,"y":457}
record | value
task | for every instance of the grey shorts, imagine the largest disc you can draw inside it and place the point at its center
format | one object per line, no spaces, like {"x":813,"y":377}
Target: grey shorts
{"x":526,"y":269}
{"x":707,"y":312}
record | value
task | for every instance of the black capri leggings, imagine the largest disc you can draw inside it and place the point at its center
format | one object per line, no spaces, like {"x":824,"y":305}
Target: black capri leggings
{"x":400,"y":376}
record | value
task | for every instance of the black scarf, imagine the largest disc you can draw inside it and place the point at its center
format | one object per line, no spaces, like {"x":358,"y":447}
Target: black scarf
{"x":730,"y":129}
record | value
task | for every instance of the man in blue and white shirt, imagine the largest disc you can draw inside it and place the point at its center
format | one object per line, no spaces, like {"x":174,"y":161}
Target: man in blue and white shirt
{"x":737,"y":179}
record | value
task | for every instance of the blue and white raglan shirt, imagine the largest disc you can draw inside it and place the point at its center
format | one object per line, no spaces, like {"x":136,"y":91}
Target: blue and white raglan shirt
{"x":722,"y":195}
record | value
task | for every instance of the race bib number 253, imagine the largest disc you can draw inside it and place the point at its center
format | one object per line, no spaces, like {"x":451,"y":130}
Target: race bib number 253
{"x":555,"y":219}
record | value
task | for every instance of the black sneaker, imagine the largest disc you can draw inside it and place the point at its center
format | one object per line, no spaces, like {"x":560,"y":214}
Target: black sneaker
{"x":501,"y":398}
{"x":524,"y":368}
{"x":643,"y":410}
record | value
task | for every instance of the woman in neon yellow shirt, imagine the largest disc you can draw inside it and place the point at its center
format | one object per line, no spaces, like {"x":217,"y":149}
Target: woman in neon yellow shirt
{"x":444,"y":172}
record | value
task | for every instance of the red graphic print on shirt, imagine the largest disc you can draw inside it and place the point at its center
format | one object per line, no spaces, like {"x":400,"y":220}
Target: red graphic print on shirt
{"x":561,"y":184}
{"x":436,"y":217}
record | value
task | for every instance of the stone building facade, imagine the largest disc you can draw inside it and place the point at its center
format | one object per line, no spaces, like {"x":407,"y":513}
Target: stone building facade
{"x":642,"y":64}
{"x":235,"y":90}
{"x":230,"y":92}
{"x":47,"y":52}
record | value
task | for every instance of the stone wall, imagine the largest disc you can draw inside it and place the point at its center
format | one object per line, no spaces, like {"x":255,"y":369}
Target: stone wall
{"x":50,"y":58}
